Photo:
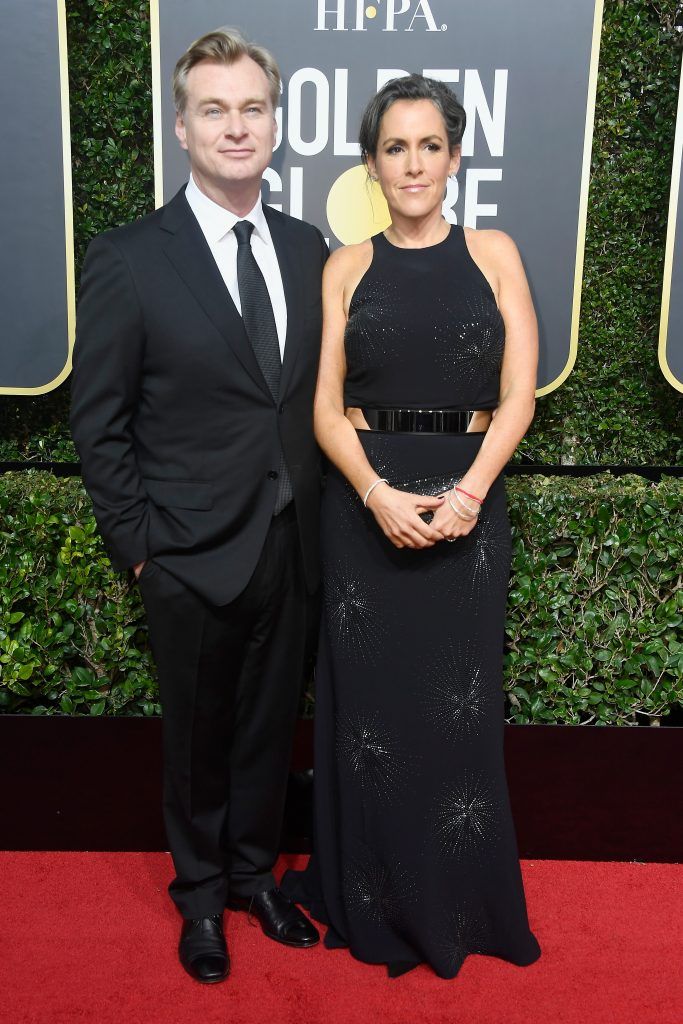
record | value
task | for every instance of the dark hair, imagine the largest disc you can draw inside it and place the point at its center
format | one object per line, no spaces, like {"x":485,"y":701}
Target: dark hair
{"x":411,"y":87}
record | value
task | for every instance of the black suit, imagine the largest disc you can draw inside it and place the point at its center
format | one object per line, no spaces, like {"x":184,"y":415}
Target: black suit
{"x":180,"y":441}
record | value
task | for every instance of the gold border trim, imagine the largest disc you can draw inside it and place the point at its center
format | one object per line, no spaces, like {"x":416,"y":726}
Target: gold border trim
{"x":583,"y":203}
{"x":670,"y":244}
{"x":157,"y":118}
{"x":68,"y":213}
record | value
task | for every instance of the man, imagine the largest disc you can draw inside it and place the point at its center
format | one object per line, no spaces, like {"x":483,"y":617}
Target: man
{"x":194,"y":372}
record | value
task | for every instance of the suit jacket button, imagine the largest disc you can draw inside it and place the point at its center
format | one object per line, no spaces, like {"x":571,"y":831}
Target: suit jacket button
{"x":272,"y":475}
{"x":281,"y":409}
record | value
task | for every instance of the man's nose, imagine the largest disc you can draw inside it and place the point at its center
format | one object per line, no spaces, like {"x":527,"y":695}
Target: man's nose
{"x":234,"y":124}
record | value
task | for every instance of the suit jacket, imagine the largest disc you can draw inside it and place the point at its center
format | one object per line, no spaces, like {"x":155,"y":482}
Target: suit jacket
{"x":178,"y":435}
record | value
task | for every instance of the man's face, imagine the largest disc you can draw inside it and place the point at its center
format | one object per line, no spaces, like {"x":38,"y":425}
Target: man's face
{"x":228,"y":126}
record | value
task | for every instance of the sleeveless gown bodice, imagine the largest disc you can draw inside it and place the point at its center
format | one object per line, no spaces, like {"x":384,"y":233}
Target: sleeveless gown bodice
{"x":423,"y":330}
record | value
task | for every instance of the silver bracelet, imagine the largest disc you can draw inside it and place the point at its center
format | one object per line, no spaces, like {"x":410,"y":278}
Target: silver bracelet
{"x":474,"y":512}
{"x":458,"y":513}
{"x":379,"y":480}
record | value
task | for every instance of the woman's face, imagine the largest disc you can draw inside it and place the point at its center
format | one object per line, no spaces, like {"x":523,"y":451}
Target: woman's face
{"x":413,"y":160}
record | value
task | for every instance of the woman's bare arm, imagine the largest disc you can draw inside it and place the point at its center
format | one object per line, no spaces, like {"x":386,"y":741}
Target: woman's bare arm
{"x":515,"y":410}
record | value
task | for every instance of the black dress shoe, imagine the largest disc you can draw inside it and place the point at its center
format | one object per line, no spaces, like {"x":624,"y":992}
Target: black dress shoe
{"x":279,"y":918}
{"x":203,"y":951}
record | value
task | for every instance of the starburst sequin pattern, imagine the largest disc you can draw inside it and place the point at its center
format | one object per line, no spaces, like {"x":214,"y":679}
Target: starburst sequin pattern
{"x":353,"y":614}
{"x":463,"y":930}
{"x":376,"y":892}
{"x":465,"y":821}
{"x":483,"y":557}
{"x":373,"y":325}
{"x":426,"y":485}
{"x":490,"y":553}
{"x":471,"y":352}
{"x":373,"y":755}
{"x":456,"y":696}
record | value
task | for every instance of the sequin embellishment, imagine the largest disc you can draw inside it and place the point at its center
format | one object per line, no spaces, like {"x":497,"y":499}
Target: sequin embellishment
{"x":352,"y":608}
{"x":471,"y":353}
{"x":372,"y":754}
{"x":483,"y":557}
{"x":455,"y":694}
{"x":463,"y":930}
{"x":371,"y":329}
{"x":377,"y":892}
{"x":490,"y":553}
{"x":464,"y":822}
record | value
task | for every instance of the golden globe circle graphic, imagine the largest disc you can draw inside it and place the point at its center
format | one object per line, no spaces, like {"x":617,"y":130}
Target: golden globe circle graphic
{"x":356,"y":207}
{"x":370,"y":12}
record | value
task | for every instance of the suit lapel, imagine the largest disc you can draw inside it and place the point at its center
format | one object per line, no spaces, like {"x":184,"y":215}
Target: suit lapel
{"x":289,"y":260}
{"x":188,"y":251}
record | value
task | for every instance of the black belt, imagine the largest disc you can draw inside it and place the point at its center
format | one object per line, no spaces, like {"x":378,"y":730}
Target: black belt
{"x":419,"y":421}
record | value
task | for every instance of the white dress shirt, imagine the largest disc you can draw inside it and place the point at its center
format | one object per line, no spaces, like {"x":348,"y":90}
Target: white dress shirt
{"x":217,"y":225}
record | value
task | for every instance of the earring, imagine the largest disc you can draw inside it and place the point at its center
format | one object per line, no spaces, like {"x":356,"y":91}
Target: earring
{"x":373,"y":177}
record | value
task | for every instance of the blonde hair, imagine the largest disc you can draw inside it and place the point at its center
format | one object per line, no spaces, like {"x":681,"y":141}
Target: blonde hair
{"x":223,"y":46}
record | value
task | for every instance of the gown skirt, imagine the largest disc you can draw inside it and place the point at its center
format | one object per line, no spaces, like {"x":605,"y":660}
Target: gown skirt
{"x":415,"y":857}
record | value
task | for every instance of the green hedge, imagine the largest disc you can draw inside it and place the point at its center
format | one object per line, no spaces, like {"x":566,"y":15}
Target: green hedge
{"x":616,"y":407}
{"x":594,"y":614}
{"x":72,"y":635}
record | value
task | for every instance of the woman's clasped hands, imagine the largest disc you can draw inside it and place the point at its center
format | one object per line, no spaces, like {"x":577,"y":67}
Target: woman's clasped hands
{"x":398,"y":514}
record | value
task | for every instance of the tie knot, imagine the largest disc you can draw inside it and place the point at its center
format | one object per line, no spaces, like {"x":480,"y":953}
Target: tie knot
{"x":243,"y":230}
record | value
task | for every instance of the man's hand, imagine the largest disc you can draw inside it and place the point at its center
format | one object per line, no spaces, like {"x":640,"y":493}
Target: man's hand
{"x":137,"y":569}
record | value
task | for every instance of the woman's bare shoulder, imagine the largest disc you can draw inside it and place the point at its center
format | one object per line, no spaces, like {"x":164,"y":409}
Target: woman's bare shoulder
{"x":349,"y":259}
{"x":344,"y":270}
{"x":491,"y":244}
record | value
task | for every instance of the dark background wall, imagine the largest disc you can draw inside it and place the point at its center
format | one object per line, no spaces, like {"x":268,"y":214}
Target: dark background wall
{"x":616,"y":407}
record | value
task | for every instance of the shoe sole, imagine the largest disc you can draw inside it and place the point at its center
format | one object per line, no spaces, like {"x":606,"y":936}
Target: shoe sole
{"x":286,"y":942}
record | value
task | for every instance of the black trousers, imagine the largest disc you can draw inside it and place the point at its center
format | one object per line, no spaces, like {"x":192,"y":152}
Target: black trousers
{"x":230,"y":679}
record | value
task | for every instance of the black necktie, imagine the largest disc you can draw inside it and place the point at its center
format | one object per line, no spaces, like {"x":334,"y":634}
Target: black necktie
{"x":259,"y":323}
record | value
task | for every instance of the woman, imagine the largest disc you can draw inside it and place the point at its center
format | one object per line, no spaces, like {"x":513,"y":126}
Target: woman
{"x":426,"y":386}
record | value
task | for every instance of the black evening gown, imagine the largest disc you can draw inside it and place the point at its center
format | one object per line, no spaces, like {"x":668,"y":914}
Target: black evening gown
{"x":415,"y":857}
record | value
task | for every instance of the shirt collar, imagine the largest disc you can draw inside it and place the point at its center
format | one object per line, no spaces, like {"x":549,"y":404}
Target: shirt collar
{"x":215,"y":221}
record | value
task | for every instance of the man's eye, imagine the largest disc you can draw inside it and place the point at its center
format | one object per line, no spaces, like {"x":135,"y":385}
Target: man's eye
{"x":214,"y":112}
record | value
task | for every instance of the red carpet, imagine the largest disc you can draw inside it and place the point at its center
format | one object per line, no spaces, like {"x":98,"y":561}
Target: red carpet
{"x":91,"y":938}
